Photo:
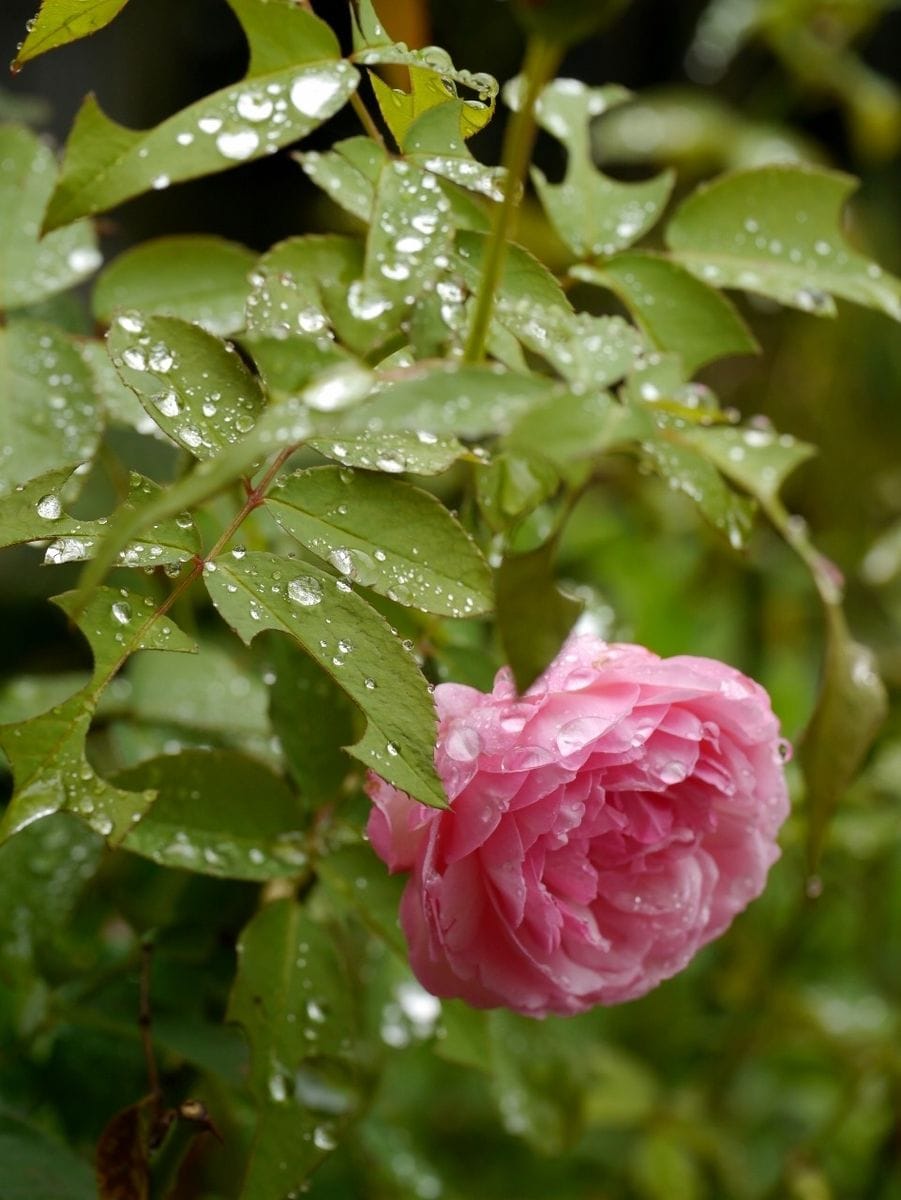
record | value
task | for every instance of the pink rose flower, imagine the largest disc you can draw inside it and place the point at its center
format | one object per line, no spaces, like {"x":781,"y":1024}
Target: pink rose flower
{"x":603,"y":827}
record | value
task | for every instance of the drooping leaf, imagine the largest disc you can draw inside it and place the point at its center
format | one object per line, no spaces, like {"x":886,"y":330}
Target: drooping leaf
{"x":294,"y":997}
{"x":777,"y":231}
{"x":409,"y":240}
{"x":677,"y":311}
{"x":38,"y":1167}
{"x":194,"y":386}
{"x":44,"y":424}
{"x":197,"y":278}
{"x":47,"y":753}
{"x":33,"y":268}
{"x":296,"y":80}
{"x":453,"y":400}
{"x":593,"y":214}
{"x":533,"y":615}
{"x":122,"y":1160}
{"x":313,"y":719}
{"x":420,"y":453}
{"x":436,"y":142}
{"x":216,"y":812}
{"x":348,"y":173}
{"x":390,"y":536}
{"x":36,"y":511}
{"x":353,"y":644}
{"x":60,"y":22}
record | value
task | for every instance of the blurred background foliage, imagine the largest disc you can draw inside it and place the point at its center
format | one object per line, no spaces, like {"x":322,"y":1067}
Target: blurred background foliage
{"x":771,"y":1068}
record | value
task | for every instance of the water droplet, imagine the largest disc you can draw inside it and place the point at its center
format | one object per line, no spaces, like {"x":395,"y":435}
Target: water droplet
{"x":49,"y":508}
{"x":237,"y":145}
{"x":312,"y":92}
{"x":253,"y":106}
{"x":305,"y":591}
{"x":278,"y":1088}
{"x":121,"y":611}
{"x":463,"y":744}
{"x":323,"y":1139}
{"x":238,"y":552}
{"x":576,"y":735}
{"x":672,"y":773}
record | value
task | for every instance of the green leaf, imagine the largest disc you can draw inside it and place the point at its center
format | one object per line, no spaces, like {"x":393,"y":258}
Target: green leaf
{"x":35,"y":511}
{"x":569,"y":428}
{"x":347,"y":173}
{"x":757,"y":459}
{"x":295,"y":997}
{"x":461,"y":401}
{"x":62,"y":21}
{"x":216,"y":812}
{"x":533,"y":615}
{"x":850,"y":710}
{"x":358,"y":879}
{"x":33,"y":268}
{"x":588,"y":352}
{"x":567,"y":21}
{"x":43,"y":872}
{"x":119,"y":403}
{"x":675,"y":460}
{"x":38,"y":1167}
{"x":512,"y":486}
{"x":677,"y":312}
{"x":412,"y":453}
{"x":44,"y":425}
{"x":354,"y":644}
{"x":194,"y":386}
{"x":47,"y":753}
{"x":296,"y":80}
{"x":777,"y":231}
{"x":593,"y":214}
{"x":388,"y":535}
{"x":435,"y":142}
{"x":313,"y":719}
{"x":661,"y":1166}
{"x":291,"y":363}
{"x":197,"y":278}
{"x":409,"y":240}
{"x":524,"y":278}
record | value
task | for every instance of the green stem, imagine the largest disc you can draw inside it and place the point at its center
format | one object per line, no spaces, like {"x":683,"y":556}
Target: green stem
{"x":541,"y":61}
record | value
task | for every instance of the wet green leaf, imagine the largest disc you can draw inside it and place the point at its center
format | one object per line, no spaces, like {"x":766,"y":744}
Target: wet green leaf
{"x":36,"y":512}
{"x":197,"y":278}
{"x":513,"y":485}
{"x":313,"y":719}
{"x":593,"y":214}
{"x":389,"y":535}
{"x":347,"y":173}
{"x":62,"y":21}
{"x":295,"y":74}
{"x":851,"y":708}
{"x":533,"y":615}
{"x":294,"y":996}
{"x":118,"y":402}
{"x":218,"y":813}
{"x":194,"y":386}
{"x":569,"y":428}
{"x":412,"y":453}
{"x":435,"y":142}
{"x":758,"y":459}
{"x":353,"y":644}
{"x":47,"y":753}
{"x":33,"y":268}
{"x":43,"y":424}
{"x":358,"y":879}
{"x":777,"y":230}
{"x":678,"y":312}
{"x":588,"y":352}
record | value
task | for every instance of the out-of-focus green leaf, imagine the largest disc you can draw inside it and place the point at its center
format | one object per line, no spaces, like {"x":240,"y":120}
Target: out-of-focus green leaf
{"x":197,"y":278}
{"x":358,"y":879}
{"x":347,"y":173}
{"x":453,"y":400}
{"x":313,"y":719}
{"x":592,"y":213}
{"x":295,"y":74}
{"x":47,"y":753}
{"x":387,"y":535}
{"x":567,"y":21}
{"x":420,"y":453}
{"x":435,"y":142}
{"x":513,"y":485}
{"x":36,"y":512}
{"x":533,"y":615}
{"x":758,"y":459}
{"x":33,"y":268}
{"x":678,"y":312}
{"x":354,"y":644}
{"x":194,"y":386}
{"x":62,"y":21}
{"x":851,"y":708}
{"x":37,"y":1167}
{"x":294,"y":996}
{"x":662,"y":1167}
{"x":777,"y":231}
{"x":216,"y":813}
{"x":409,"y":240}
{"x":43,"y":424}
{"x":572,"y":427}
